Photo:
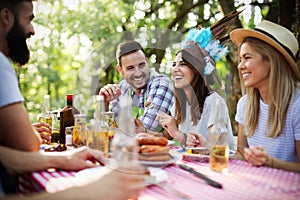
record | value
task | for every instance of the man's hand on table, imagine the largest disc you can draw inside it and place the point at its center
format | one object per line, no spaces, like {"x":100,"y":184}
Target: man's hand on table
{"x":18,"y":162}
{"x":84,"y":157}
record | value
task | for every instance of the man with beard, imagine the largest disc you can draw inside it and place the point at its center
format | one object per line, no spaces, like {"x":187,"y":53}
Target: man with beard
{"x":15,"y":27}
{"x":151,"y":92}
{"x":16,"y":130}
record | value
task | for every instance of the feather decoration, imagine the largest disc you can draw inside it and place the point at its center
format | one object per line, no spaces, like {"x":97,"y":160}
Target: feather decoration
{"x":212,"y":39}
{"x":221,"y":28}
{"x":209,"y":68}
{"x":205,"y":40}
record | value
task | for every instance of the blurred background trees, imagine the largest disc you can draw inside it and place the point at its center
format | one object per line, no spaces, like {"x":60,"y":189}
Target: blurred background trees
{"x":74,"y":47}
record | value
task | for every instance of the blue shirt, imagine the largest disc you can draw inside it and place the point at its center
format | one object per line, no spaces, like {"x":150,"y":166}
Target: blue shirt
{"x":158,"y":94}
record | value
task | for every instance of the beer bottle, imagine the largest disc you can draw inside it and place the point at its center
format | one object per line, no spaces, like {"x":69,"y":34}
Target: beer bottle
{"x":55,"y":137}
{"x":45,"y":116}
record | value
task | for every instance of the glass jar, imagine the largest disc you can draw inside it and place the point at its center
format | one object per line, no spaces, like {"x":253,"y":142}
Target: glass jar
{"x":80,"y":130}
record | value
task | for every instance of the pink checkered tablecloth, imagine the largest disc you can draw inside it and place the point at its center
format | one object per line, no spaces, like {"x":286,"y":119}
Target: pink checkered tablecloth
{"x":241,"y":182}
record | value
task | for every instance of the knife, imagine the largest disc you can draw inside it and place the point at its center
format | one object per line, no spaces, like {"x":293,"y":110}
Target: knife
{"x":198,"y":174}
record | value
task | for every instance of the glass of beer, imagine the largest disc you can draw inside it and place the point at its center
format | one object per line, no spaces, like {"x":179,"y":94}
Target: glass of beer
{"x":219,"y":152}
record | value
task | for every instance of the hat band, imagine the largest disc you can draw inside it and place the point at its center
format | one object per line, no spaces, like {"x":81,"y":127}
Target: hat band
{"x":282,"y":45}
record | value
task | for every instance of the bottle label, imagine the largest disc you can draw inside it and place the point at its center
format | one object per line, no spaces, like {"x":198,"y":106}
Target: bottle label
{"x":68,"y":139}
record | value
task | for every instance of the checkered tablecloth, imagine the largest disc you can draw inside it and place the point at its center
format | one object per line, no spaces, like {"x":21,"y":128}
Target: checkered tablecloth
{"x":241,"y":182}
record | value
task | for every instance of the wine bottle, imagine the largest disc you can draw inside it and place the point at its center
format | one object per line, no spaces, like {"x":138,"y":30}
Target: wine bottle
{"x":66,"y":118}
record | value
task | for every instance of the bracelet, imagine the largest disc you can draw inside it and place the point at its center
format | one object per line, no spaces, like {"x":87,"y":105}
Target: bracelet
{"x":269,"y":161}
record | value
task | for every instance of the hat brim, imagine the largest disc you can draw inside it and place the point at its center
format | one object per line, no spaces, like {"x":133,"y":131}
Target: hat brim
{"x":238,"y":36}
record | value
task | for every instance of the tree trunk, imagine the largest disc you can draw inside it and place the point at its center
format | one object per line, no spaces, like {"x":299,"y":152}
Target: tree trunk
{"x":233,"y":84}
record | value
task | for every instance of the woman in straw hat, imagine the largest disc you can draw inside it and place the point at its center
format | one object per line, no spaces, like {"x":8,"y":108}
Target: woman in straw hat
{"x":268,"y":115}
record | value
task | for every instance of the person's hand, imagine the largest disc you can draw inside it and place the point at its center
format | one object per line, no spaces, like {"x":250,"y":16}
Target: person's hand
{"x":168,"y":123}
{"x":256,"y":156}
{"x":117,"y":184}
{"x":139,"y":126}
{"x":44,"y":131}
{"x":195,"y":140}
{"x":84,"y":157}
{"x":110,"y":92}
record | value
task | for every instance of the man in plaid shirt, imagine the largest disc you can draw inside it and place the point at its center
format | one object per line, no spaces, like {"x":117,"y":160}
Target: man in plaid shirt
{"x":151,"y":92}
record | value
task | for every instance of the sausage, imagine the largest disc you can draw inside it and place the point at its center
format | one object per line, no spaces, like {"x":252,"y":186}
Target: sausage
{"x":152,"y":140}
{"x":154,"y":149}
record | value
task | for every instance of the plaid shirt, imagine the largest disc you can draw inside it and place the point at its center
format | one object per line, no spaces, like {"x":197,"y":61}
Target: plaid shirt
{"x":159,"y":97}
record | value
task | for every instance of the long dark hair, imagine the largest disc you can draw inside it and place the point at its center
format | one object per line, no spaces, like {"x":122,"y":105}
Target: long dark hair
{"x":200,"y":92}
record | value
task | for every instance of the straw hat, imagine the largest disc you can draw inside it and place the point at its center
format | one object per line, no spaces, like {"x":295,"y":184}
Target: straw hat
{"x":277,"y":36}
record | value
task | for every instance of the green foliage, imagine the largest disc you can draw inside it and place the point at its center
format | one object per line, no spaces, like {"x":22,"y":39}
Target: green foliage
{"x":73,"y":50}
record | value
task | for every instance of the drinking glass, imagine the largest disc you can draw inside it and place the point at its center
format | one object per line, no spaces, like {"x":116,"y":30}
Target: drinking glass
{"x":219,"y":152}
{"x":218,"y":139}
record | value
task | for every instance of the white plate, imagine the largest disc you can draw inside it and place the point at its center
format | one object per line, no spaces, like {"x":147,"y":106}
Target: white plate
{"x":91,"y":174}
{"x":175,"y":157}
{"x":171,"y":142}
{"x":156,"y":176}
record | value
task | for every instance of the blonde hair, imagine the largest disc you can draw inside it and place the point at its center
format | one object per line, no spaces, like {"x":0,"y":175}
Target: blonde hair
{"x":281,"y":90}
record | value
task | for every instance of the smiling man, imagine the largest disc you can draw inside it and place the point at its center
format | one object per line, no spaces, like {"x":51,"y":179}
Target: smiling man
{"x":151,"y":92}
{"x":15,"y":27}
{"x":16,"y":131}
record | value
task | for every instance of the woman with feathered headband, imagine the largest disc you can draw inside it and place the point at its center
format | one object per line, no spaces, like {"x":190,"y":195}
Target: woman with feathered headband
{"x":194,"y":72}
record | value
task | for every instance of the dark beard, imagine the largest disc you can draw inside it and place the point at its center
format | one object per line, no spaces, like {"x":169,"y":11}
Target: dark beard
{"x":18,"y":49}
